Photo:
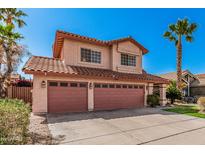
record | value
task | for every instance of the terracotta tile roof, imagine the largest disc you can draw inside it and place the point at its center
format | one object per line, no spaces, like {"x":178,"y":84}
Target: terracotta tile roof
{"x":200,"y":75}
{"x":45,"y":64}
{"x":61,"y":35}
{"x":169,"y":76}
{"x":52,"y":65}
{"x":173,"y":75}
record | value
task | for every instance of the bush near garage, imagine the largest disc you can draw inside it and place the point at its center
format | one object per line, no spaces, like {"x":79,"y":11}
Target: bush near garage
{"x":153,"y":100}
{"x":173,"y":92}
{"x":14,"y":121}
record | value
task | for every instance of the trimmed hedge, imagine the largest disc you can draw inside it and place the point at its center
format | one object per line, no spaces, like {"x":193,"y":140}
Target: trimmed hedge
{"x":14,"y":121}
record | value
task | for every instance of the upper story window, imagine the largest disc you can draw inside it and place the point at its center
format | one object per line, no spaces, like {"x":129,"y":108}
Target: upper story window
{"x":88,"y":55}
{"x":128,"y":60}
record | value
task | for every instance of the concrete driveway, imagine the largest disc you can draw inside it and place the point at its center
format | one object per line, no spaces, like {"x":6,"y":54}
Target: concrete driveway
{"x":133,"y":126}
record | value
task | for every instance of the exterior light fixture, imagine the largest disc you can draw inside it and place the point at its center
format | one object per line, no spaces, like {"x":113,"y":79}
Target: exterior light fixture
{"x":43,"y":84}
{"x":90,"y":85}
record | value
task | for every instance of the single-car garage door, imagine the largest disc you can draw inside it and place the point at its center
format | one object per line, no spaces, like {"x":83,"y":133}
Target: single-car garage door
{"x":117,"y":96}
{"x":67,"y":97}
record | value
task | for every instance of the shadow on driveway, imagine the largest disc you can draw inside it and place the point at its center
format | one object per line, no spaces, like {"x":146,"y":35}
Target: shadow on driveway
{"x":107,"y":115}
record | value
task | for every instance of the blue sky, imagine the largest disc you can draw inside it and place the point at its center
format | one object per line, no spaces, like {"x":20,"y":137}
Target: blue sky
{"x":145,"y":25}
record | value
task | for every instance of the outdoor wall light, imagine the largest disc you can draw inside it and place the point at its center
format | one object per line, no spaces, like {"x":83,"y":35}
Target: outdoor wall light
{"x":90,"y":85}
{"x":43,"y":84}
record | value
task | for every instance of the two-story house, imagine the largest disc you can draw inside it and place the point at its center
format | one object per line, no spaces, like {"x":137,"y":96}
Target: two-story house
{"x":87,"y":74}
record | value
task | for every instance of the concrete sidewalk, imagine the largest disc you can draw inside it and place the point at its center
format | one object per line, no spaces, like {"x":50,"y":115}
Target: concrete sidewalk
{"x":133,"y":126}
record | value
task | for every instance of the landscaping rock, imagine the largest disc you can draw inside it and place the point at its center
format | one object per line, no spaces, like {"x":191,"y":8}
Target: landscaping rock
{"x":38,"y":130}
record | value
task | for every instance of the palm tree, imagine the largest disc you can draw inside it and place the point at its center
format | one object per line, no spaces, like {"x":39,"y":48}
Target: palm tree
{"x":10,"y":50}
{"x":175,"y":33}
{"x":10,"y":16}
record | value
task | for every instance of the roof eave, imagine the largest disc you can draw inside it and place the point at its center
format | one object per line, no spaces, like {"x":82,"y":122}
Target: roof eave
{"x":93,"y":77}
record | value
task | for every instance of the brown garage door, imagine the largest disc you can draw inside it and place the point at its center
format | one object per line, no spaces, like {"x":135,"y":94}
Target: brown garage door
{"x":115,"y":96}
{"x":67,"y":97}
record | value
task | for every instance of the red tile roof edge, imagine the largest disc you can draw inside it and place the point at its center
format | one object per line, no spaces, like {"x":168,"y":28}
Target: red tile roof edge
{"x":201,"y":75}
{"x":36,"y":64}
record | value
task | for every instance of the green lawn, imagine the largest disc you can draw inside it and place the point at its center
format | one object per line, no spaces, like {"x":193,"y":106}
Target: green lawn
{"x":14,"y":121}
{"x":191,"y":110}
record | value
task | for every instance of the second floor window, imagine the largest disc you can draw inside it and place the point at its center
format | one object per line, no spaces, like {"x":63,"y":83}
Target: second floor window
{"x":128,"y":60}
{"x":91,"y":56}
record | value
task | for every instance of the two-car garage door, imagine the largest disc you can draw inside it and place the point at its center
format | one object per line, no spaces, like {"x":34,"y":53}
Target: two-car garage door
{"x":73,"y":96}
{"x":117,"y":96}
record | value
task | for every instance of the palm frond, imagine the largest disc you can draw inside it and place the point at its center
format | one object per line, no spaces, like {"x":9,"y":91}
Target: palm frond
{"x":192,"y":28}
{"x":172,"y":27}
{"x":8,"y":35}
{"x":12,"y":16}
{"x":19,"y":22}
{"x":189,"y":38}
{"x":20,"y":13}
{"x":172,"y":38}
{"x":167,"y":34}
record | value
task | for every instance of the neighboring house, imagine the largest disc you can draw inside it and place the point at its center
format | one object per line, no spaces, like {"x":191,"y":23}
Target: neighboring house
{"x":198,"y":86}
{"x":87,"y":74}
{"x":194,"y":83}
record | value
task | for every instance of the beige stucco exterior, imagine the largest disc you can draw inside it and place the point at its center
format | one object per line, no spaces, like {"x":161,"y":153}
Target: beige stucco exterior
{"x":71,"y":54}
{"x":40,"y":93}
{"x":110,"y":59}
{"x":110,"y":56}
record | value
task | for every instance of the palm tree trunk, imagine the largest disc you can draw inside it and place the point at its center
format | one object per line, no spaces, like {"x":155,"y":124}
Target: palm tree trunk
{"x":6,"y":78}
{"x":179,"y":62}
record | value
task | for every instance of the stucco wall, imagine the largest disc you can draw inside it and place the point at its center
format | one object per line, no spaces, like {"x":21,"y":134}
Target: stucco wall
{"x":110,"y":57}
{"x":71,"y":54}
{"x":40,"y":94}
{"x":129,"y":48}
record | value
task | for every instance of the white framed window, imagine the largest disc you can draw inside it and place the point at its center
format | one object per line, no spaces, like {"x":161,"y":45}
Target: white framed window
{"x":88,"y":55}
{"x":128,"y":60}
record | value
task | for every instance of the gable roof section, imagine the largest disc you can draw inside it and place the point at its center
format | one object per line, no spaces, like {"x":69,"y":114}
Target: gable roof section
{"x":47,"y":65}
{"x":169,"y":76}
{"x":61,"y":35}
{"x":173,"y":75}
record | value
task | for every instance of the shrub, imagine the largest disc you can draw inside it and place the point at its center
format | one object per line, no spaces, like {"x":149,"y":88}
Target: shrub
{"x":173,"y":92}
{"x":201,"y":103}
{"x":153,"y":100}
{"x":14,"y":121}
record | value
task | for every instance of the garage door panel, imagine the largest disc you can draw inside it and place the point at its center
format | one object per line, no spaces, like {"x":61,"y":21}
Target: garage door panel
{"x":67,"y":99}
{"x":117,"y":98}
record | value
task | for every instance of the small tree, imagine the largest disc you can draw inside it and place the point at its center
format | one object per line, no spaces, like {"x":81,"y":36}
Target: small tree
{"x":173,"y":92}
